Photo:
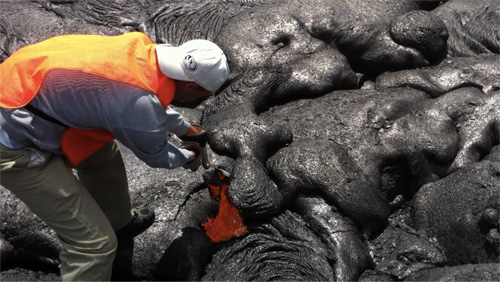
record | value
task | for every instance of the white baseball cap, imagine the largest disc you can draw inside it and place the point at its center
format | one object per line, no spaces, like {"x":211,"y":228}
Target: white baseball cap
{"x":198,"y":60}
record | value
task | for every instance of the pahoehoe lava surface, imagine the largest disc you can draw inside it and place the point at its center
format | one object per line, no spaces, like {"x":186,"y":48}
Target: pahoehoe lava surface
{"x":362,"y":139}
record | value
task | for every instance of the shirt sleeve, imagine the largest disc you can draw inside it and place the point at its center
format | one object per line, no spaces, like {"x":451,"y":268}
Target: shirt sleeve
{"x":176,"y":123}
{"x":145,"y":133}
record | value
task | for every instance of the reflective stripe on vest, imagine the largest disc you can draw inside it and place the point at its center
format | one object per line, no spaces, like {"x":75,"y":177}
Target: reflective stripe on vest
{"x":129,"y":58}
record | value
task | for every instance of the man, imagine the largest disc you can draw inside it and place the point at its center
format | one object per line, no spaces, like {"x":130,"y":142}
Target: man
{"x":62,"y":103}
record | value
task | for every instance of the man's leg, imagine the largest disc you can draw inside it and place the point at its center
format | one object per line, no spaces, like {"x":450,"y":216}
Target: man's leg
{"x":104,"y":176}
{"x":54,"y":194}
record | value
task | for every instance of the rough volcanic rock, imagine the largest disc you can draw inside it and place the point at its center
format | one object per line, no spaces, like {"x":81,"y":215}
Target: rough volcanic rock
{"x":462,"y":212}
{"x":468,"y":272}
{"x":473,"y":26}
{"x":281,"y":249}
{"x":362,"y":139}
{"x":482,"y":71}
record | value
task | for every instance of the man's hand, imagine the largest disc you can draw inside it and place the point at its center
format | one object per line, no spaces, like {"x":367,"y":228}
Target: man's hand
{"x":197,"y":135}
{"x":197,"y":150}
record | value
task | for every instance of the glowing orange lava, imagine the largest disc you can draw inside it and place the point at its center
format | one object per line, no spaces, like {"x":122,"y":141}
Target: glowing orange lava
{"x":228,"y":223}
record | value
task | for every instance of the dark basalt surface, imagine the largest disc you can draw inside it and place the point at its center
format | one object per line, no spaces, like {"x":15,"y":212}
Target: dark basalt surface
{"x":362,"y":139}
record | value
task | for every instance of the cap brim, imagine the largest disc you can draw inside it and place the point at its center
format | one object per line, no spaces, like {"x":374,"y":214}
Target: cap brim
{"x":170,"y":61}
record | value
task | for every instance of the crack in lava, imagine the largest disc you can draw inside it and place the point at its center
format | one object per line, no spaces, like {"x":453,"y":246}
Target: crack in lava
{"x":228,"y":223}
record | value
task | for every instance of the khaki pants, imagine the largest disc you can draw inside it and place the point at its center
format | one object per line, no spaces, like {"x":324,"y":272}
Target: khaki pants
{"x":83,"y":212}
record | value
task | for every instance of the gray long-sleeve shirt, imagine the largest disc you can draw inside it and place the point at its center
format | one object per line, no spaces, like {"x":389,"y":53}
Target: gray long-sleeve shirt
{"x":81,"y":100}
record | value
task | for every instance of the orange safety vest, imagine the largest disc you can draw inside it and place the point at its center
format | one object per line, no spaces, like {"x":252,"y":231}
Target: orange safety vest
{"x":128,"y":58}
